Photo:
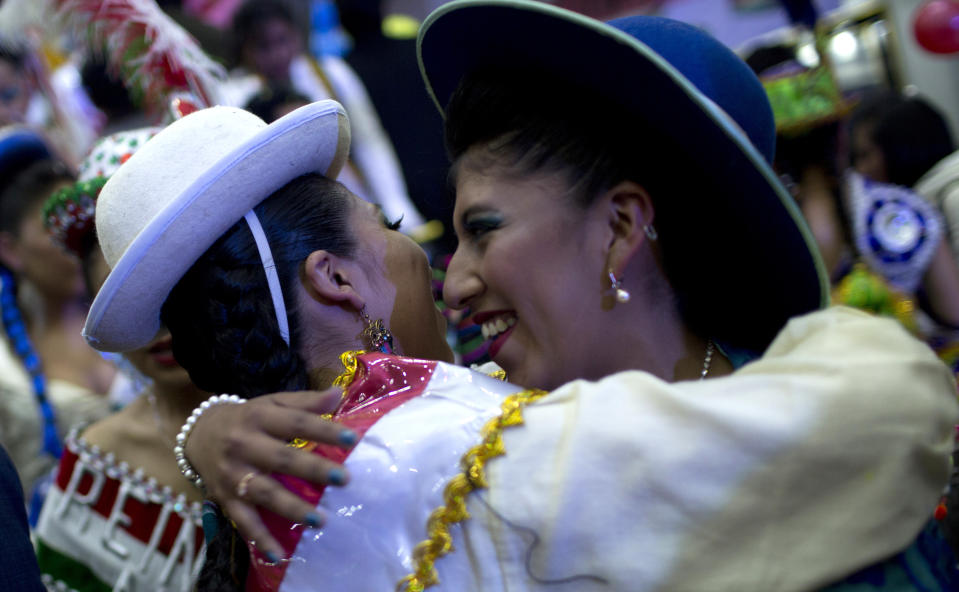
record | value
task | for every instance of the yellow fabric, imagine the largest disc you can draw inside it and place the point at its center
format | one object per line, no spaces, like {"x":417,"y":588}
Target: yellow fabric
{"x":867,"y":290}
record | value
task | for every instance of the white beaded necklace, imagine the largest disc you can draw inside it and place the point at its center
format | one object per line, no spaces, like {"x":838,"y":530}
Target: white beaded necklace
{"x":710,"y":348}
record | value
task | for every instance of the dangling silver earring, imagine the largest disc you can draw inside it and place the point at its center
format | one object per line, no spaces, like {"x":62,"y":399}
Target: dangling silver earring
{"x":650,"y":231}
{"x":377,"y":335}
{"x":622,"y":295}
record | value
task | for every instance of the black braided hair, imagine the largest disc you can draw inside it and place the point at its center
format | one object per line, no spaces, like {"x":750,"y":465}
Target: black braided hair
{"x":224,"y":327}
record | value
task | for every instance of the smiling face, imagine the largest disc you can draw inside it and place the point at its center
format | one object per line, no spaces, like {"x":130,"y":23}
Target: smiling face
{"x":529,"y":266}
{"x":401,"y":285}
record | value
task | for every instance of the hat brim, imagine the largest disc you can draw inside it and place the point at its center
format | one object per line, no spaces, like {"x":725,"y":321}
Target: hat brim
{"x":125,"y":314}
{"x":756,"y":247}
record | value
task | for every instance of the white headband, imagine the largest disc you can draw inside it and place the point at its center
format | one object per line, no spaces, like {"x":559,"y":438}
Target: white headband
{"x":272,"y":279}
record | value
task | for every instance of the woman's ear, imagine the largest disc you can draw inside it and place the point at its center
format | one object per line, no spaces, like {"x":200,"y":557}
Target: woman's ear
{"x":331,"y":278}
{"x":629,"y":214}
{"x":9,"y":253}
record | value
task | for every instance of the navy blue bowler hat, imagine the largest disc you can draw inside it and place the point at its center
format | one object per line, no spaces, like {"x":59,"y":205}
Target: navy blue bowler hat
{"x":19,"y":148}
{"x":682,"y":82}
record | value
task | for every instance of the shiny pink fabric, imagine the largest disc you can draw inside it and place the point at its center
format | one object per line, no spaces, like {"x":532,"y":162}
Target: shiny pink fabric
{"x":382,"y":383}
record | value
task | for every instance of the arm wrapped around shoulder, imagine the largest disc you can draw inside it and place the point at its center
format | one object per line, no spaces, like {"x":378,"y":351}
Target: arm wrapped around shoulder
{"x":822,"y":457}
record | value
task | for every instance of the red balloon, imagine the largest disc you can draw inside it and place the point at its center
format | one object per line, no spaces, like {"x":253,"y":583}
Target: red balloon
{"x":937,"y":26}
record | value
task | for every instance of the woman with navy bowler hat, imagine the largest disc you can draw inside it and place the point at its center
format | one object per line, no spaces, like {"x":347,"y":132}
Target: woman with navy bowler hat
{"x":626,"y":247}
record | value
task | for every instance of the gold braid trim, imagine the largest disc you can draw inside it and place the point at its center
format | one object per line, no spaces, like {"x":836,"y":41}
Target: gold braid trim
{"x":344,"y":380}
{"x":348,"y":359}
{"x":498,"y":374}
{"x":439,"y":541}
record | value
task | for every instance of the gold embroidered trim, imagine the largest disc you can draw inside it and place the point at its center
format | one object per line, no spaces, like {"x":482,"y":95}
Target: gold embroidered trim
{"x":344,"y":380}
{"x":498,"y":374}
{"x":473,"y":463}
{"x":348,"y":359}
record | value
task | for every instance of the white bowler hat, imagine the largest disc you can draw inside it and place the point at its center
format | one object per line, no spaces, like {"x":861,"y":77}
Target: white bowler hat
{"x":182,"y":190}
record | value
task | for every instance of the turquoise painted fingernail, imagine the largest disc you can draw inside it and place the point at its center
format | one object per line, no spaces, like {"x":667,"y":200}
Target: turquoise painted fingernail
{"x":272,"y":557}
{"x":347,"y":437}
{"x":336,"y":477}
{"x":313,"y":520}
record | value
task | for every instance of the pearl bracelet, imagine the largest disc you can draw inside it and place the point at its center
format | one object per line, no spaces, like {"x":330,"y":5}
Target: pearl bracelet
{"x":179,"y":451}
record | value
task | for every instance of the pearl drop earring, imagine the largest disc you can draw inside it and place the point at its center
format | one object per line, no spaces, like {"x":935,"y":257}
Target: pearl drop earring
{"x":622,"y":295}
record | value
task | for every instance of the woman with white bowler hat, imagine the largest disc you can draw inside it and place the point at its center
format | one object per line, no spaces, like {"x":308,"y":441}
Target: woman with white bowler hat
{"x":622,"y":237}
{"x":270,"y":276}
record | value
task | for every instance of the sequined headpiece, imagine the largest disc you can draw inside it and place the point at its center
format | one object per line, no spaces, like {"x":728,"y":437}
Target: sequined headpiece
{"x":68,"y":214}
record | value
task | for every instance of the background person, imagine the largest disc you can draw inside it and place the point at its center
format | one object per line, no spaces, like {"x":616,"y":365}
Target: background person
{"x":130,"y":452}
{"x":269,"y":50}
{"x":51,"y":378}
